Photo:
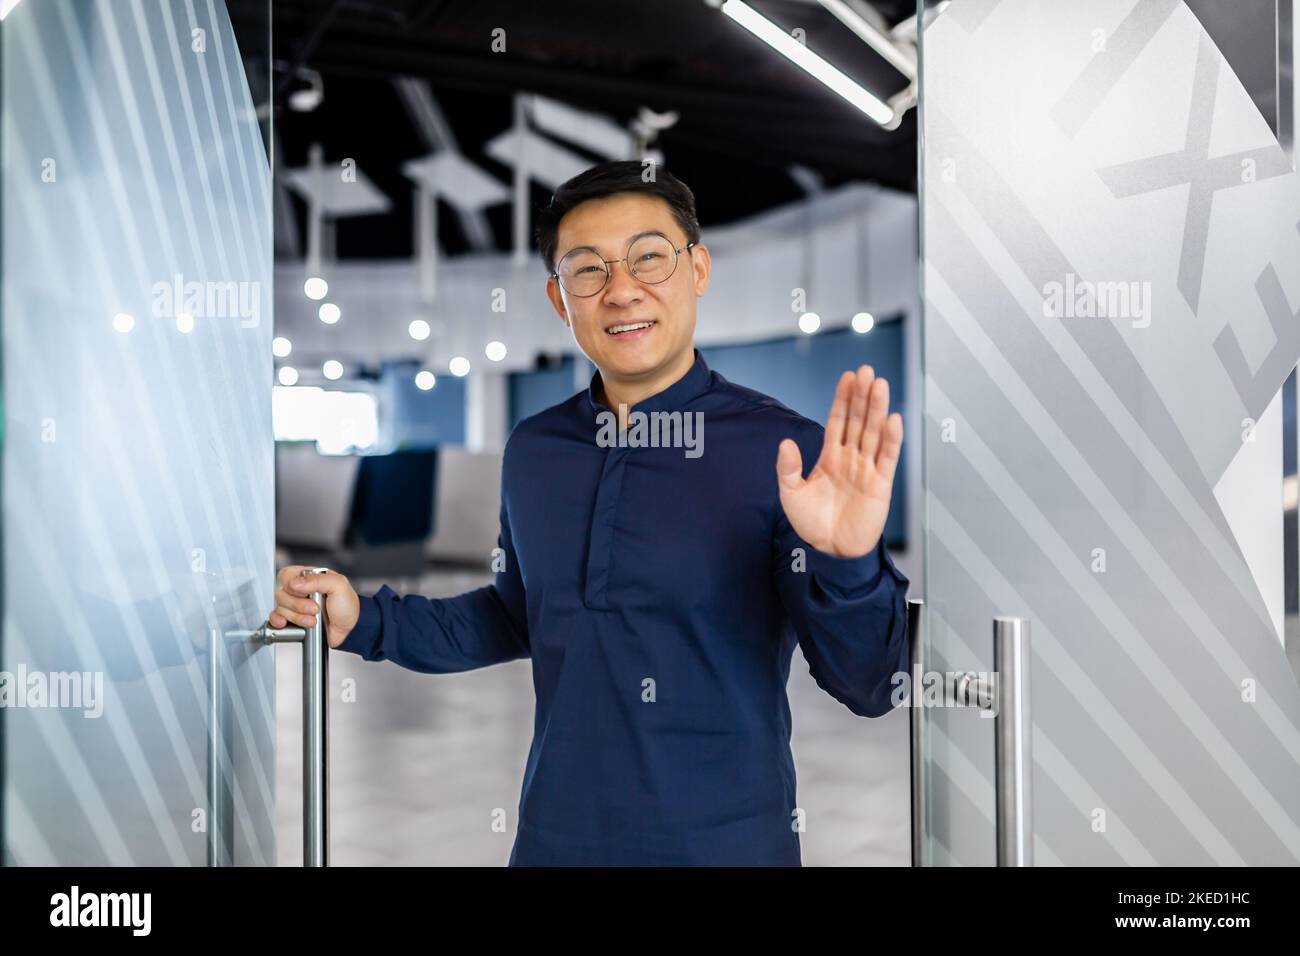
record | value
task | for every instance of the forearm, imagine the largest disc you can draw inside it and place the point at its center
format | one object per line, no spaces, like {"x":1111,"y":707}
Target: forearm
{"x":438,"y":635}
{"x":851,"y":618}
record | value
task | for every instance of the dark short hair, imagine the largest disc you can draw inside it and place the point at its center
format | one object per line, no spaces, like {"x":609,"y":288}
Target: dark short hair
{"x":610,"y":179}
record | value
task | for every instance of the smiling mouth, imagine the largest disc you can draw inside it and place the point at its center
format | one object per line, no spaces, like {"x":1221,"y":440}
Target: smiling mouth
{"x":629,"y":327}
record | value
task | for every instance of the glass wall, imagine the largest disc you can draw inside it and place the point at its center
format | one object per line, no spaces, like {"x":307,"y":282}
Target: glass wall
{"x":137,"y":450}
{"x":1111,"y":282}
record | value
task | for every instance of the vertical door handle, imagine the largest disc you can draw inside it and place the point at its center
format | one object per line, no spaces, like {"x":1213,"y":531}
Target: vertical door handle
{"x":1012,"y":732}
{"x":315,"y":737}
{"x":1008,"y":697}
{"x":916,"y":732}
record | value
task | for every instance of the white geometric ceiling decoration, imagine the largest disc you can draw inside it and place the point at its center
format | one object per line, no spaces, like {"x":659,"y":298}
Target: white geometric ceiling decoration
{"x":546,"y":161}
{"x":435,"y":131}
{"x":591,"y":131}
{"x":456,"y":180}
{"x":339,"y":198}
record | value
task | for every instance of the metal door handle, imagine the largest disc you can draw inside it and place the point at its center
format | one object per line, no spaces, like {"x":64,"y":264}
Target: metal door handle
{"x":1008,"y":697}
{"x":315,"y":737}
{"x":1012,"y":732}
{"x":916,"y":732}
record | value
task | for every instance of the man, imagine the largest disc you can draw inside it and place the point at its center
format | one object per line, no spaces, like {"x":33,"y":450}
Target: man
{"x":659,"y":586}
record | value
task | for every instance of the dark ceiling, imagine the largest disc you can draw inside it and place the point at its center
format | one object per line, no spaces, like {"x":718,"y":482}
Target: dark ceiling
{"x":746,"y":114}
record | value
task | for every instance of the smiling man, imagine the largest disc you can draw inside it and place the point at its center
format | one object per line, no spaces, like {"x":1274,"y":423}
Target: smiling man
{"x":659,"y":594}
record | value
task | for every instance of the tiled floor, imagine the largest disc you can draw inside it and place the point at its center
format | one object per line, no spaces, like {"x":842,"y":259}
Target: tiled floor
{"x":418,"y":763}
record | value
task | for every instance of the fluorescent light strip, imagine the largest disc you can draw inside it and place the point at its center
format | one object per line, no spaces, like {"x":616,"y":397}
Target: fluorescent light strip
{"x":6,"y":6}
{"x":872,"y":37}
{"x":807,"y":60}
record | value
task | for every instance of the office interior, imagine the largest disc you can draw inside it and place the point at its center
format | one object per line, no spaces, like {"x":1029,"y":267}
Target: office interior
{"x":363,"y":178}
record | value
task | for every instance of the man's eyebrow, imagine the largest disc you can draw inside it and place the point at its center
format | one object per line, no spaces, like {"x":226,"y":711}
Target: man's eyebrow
{"x":576,"y":248}
{"x":630,"y":239}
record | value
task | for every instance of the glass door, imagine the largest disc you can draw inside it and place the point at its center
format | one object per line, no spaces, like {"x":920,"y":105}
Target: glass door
{"x":1111,"y":272}
{"x":136,"y":265}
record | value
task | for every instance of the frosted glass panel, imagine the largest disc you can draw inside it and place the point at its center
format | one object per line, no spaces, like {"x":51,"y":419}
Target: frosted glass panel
{"x":137,"y":449}
{"x":1111,"y":278}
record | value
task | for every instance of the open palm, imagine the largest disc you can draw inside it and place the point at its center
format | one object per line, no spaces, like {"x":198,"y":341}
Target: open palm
{"x":840,"y":508}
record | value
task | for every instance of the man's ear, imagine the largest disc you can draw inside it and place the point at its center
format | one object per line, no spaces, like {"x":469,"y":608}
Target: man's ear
{"x":557,"y":299}
{"x":702,"y":265}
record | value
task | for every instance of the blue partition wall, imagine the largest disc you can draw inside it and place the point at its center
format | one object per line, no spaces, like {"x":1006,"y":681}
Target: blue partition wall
{"x":530,"y":392}
{"x":421,"y":419}
{"x":801,"y":372}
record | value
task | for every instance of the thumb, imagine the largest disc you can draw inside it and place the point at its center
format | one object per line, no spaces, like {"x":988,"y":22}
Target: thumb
{"x":789,"y":465}
{"x":326,"y":583}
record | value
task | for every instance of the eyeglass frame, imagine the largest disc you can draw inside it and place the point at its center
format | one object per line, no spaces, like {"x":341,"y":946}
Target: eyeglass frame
{"x":609,"y":273}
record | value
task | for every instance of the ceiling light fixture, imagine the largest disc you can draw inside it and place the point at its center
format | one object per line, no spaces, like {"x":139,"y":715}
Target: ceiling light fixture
{"x":807,"y":60}
{"x":898,"y":58}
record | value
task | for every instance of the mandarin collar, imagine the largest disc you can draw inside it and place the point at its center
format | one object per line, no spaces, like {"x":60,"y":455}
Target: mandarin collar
{"x":690,"y":386}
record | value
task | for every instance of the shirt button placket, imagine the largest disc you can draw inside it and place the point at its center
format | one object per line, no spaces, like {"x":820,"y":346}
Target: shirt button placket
{"x":600,"y":547}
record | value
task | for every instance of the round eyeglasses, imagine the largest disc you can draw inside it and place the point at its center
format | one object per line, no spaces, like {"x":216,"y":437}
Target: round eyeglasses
{"x":651,"y":258}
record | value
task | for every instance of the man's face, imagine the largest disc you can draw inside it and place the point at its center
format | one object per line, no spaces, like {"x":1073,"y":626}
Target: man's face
{"x":608,"y":226}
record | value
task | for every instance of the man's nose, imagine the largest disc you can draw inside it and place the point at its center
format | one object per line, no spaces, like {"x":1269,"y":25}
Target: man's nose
{"x":622,"y":285}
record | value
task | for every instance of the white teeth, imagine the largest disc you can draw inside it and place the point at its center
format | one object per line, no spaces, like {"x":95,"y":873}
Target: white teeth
{"x":615,"y":329}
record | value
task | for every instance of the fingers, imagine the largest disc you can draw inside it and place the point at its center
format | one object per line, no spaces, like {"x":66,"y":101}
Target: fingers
{"x":890,"y":448}
{"x":326,"y":582}
{"x":292,"y":602}
{"x":288,"y":572}
{"x":838,"y":418}
{"x":877,"y":413}
{"x":293,"y":611}
{"x":301,"y":611}
{"x":858,"y":405}
{"x":789,"y":465}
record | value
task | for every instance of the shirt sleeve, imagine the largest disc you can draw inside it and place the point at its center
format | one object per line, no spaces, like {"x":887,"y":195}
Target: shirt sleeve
{"x":850,"y":614}
{"x":488,"y":625}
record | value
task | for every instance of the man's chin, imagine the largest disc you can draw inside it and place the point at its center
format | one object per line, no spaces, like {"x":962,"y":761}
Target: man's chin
{"x":634,"y":366}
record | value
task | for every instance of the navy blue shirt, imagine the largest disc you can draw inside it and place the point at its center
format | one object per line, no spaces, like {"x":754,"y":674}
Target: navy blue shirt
{"x":659,"y":592}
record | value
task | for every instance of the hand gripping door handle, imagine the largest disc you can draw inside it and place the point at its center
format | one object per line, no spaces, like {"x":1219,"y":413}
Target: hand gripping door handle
{"x":315,"y":736}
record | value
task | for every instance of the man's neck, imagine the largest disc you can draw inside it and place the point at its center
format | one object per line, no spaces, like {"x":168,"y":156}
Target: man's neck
{"x":621,"y":395}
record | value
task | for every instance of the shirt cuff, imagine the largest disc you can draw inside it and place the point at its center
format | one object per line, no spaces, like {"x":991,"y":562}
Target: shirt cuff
{"x":361,"y":639}
{"x":846,"y":575}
